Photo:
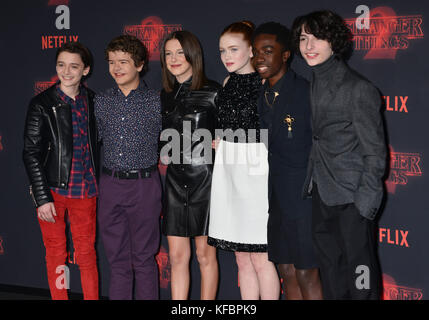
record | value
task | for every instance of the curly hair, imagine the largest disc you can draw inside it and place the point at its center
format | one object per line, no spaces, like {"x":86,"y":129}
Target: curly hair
{"x":131,"y":45}
{"x":324,"y":25}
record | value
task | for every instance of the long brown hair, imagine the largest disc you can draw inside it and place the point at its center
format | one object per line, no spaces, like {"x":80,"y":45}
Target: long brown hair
{"x":193,"y":54}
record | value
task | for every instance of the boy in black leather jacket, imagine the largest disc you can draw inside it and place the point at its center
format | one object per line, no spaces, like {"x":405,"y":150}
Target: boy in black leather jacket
{"x":60,"y":158}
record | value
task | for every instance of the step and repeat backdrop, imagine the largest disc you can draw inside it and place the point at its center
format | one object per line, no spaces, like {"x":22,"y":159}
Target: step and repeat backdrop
{"x":390,"y":50}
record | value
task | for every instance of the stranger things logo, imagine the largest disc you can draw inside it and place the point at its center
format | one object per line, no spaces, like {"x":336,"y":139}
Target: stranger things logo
{"x":40,"y":86}
{"x":402,"y":167}
{"x":387,"y":33}
{"x":164,"y":268}
{"x":392,"y":291}
{"x":152,"y":32}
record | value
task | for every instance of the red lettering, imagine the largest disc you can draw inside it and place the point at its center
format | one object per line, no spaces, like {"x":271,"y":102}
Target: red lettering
{"x":387,"y":99}
{"x":44,"y":42}
{"x":388,"y":237}
{"x":382,"y":234}
{"x":396,"y":237}
{"x":415,"y":169}
{"x":404,"y":241}
{"x":403,"y":104}
{"x":61,"y":40}
{"x":395,"y":107}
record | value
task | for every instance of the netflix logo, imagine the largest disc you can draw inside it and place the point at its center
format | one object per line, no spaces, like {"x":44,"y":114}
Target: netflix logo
{"x":51,"y":42}
{"x":396,"y":103}
{"x":393,"y":237}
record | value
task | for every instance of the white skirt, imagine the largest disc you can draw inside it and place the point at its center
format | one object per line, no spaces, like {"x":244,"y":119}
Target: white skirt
{"x":239,"y":197}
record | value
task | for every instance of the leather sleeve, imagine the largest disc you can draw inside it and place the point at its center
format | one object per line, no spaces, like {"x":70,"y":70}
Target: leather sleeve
{"x":32,"y":155}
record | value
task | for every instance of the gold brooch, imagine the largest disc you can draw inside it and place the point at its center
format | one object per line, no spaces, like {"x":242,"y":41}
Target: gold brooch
{"x":289,"y":120}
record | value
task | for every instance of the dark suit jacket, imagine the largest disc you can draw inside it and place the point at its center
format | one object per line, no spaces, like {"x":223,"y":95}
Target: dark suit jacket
{"x":288,"y":156}
{"x":348,"y":157}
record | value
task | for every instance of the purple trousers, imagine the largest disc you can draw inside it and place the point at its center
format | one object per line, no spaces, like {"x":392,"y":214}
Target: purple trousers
{"x":128,"y":216}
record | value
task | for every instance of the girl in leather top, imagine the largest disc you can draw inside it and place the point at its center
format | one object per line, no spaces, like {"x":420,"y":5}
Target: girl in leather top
{"x":188,"y":105}
{"x":239,"y":197}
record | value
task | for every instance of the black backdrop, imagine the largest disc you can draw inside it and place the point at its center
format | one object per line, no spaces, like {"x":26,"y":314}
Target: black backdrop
{"x":392,"y":54}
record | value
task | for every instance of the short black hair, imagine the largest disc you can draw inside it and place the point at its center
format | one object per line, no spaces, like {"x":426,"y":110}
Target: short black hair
{"x":281,"y":32}
{"x":81,"y":50}
{"x":325,"y":25}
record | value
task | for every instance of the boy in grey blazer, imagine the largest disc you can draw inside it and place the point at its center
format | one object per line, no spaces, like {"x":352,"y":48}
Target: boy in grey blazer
{"x":347,"y":161}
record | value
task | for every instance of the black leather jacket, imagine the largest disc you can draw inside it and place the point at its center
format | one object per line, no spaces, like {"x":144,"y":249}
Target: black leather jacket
{"x":184,"y":109}
{"x":187,"y":184}
{"x":48,"y":143}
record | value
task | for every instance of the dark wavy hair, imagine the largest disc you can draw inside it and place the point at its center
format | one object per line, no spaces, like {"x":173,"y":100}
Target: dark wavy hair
{"x":324,"y":25}
{"x":133,"y":46}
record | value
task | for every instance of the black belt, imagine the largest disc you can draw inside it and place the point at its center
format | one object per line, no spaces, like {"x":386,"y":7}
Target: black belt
{"x":130,"y":174}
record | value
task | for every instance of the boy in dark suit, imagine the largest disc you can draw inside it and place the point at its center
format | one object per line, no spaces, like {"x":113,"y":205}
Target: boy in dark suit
{"x":347,"y":161}
{"x":284,"y":110}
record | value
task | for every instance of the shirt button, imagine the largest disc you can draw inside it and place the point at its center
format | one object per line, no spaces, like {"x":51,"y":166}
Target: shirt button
{"x":122,"y":118}
{"x":122,"y":137}
{"x":185,"y":204}
{"x":120,"y":154}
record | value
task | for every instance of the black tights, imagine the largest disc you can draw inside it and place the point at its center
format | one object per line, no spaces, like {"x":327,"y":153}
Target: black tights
{"x":300,"y":284}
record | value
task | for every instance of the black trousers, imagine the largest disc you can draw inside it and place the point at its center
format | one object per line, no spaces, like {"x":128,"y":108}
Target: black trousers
{"x":345,"y":244}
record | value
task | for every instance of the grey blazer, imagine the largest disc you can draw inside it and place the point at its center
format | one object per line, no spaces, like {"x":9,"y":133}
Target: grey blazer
{"x":348,"y":156}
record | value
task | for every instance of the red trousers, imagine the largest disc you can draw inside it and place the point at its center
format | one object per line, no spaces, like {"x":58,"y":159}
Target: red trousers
{"x":81,"y":215}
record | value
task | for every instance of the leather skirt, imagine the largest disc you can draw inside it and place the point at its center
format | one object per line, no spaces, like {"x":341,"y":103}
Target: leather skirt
{"x":186,"y":202}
